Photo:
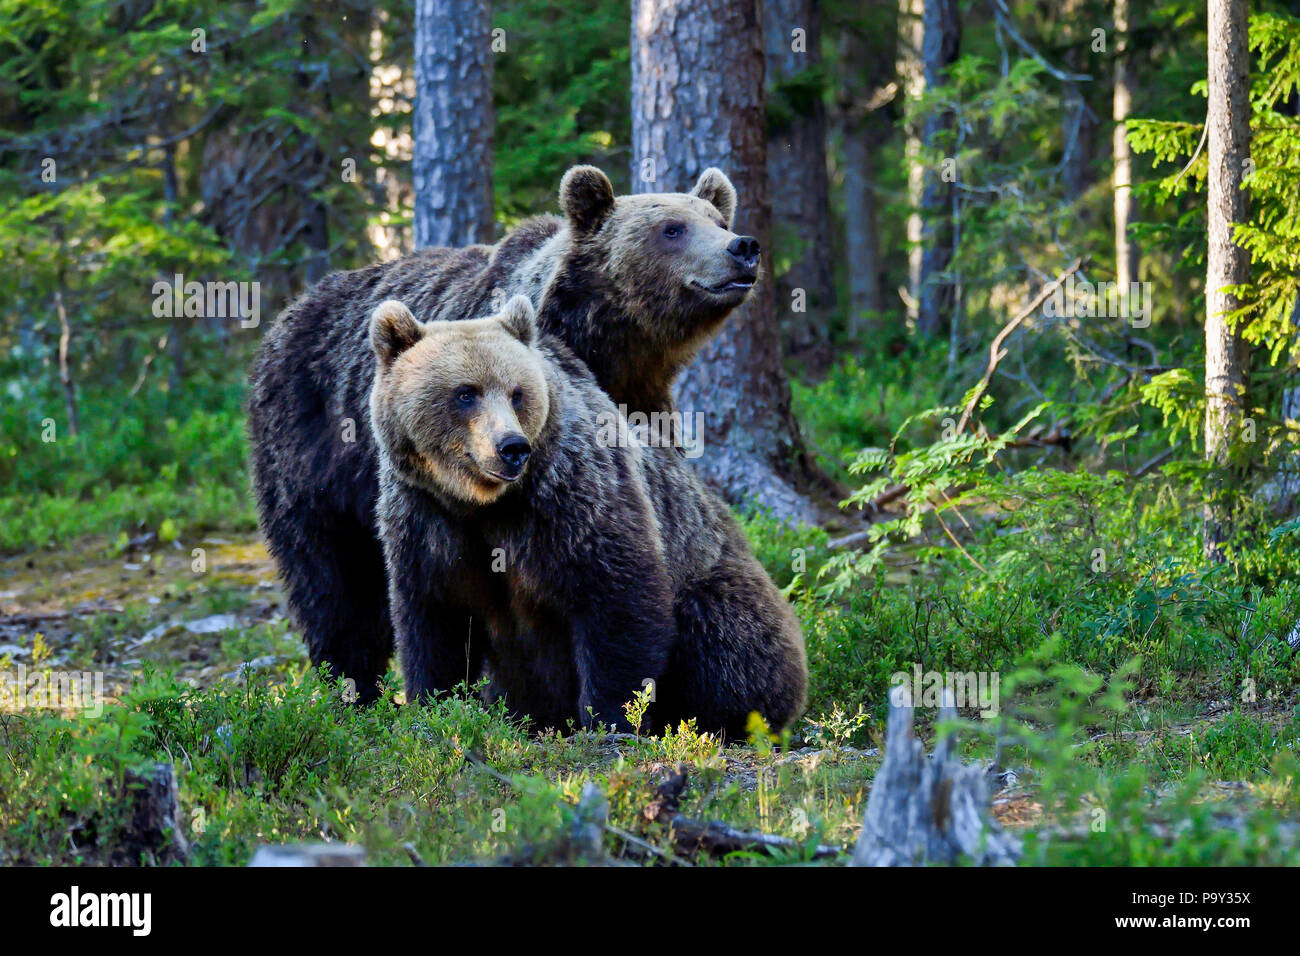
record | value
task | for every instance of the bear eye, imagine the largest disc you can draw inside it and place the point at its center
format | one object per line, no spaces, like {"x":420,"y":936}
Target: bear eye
{"x":465,"y":396}
{"x":674,"y":230}
{"x":517,"y":398}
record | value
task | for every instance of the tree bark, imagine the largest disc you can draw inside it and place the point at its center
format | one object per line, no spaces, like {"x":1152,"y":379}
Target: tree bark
{"x":937,"y":293}
{"x":1080,"y":132}
{"x":1126,"y":251}
{"x":65,"y":369}
{"x":1228,"y":142}
{"x":863,"y":129}
{"x":911,"y":73}
{"x":932,"y":28}
{"x":452,"y":123}
{"x":698,"y":101}
{"x":796,"y":163}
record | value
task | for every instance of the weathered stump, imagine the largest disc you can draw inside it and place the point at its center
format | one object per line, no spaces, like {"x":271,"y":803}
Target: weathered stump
{"x":154,"y":832}
{"x":929,"y":809}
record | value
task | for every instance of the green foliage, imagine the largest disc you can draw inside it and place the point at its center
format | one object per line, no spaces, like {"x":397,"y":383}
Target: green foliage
{"x":561,"y":99}
{"x":1266,"y":318}
{"x":958,"y":459}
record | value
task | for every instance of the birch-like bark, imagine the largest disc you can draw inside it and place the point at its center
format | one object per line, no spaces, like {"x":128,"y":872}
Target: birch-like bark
{"x":1228,"y":144}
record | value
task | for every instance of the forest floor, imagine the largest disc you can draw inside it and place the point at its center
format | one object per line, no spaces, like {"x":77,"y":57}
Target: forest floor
{"x":265,"y":753}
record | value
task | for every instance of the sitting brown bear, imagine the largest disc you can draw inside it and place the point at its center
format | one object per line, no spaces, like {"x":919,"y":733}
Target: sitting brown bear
{"x":594,"y":567}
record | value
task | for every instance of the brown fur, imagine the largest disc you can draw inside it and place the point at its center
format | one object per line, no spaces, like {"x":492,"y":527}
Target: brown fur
{"x":628,"y":304}
{"x":612,"y":565}
{"x":432,"y":443}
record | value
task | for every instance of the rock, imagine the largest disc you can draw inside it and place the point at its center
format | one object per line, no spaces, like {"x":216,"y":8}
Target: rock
{"x":213,"y":625}
{"x":154,"y":633}
{"x":266,"y":662}
{"x":589,"y":818}
{"x":309,"y":854}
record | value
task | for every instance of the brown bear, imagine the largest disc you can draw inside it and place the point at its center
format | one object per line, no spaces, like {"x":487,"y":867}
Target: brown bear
{"x":595,"y":566}
{"x":633,"y":285}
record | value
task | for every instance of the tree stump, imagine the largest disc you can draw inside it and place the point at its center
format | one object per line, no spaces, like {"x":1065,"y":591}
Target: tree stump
{"x":154,"y":832}
{"x":929,"y":809}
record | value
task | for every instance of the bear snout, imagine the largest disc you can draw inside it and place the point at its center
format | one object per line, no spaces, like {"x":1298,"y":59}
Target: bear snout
{"x":745,"y":250}
{"x":513,"y":450}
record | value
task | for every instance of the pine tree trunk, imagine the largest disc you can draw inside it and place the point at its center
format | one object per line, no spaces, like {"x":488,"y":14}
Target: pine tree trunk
{"x":1228,"y":142}
{"x":911,"y":74}
{"x":1126,"y":251}
{"x":930,"y":33}
{"x":937,"y":293}
{"x":796,"y":162}
{"x":1080,"y":133}
{"x":863,"y":131}
{"x":452,"y":125}
{"x":698,"y":101}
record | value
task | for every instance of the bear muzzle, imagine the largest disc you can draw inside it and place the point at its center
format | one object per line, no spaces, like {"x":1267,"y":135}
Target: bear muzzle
{"x":512,"y":450}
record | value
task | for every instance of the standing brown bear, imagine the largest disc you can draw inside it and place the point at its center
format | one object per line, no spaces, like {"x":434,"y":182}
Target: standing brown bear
{"x":632,"y":285}
{"x":595,"y":565}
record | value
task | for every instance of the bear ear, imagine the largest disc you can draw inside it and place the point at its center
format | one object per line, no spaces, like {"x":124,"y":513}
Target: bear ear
{"x":714,"y":186}
{"x":586,"y":196}
{"x":393,"y":330}
{"x":520,"y":320}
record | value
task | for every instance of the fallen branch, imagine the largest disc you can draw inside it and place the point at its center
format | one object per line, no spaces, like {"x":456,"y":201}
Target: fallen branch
{"x":44,"y":617}
{"x":1155,"y":462}
{"x":996,"y":354}
{"x":716,"y":838}
{"x":849,"y":540}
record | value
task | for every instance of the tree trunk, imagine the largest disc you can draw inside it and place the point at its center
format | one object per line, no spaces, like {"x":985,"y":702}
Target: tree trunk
{"x":1126,"y":252}
{"x":1228,"y":142}
{"x":929,"y":809}
{"x":937,"y":293}
{"x":863,"y":129}
{"x":452,"y":125}
{"x":1080,"y":132}
{"x":932,"y":29}
{"x":257,"y":183}
{"x":698,"y":101}
{"x":911,"y":73}
{"x":796,"y":163}
{"x":65,"y":368}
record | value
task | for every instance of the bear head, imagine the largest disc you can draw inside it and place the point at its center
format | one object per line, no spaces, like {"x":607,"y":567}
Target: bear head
{"x":666,"y":261}
{"x":458,"y":406}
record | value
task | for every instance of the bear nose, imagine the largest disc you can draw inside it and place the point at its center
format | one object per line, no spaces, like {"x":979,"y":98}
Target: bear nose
{"x":514,"y":451}
{"x":745,"y":250}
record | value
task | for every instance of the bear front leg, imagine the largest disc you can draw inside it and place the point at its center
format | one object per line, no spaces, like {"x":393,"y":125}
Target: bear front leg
{"x":440,"y":643}
{"x":622,"y":639}
{"x":439,"y":646}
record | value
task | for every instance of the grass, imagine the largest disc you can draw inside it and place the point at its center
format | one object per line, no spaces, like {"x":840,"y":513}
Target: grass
{"x":1148,"y":702}
{"x":172,"y":463}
